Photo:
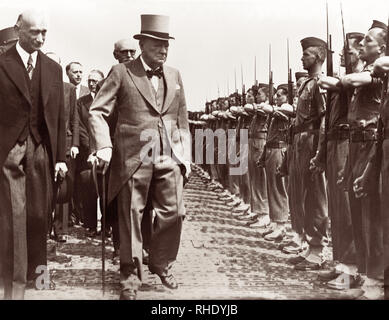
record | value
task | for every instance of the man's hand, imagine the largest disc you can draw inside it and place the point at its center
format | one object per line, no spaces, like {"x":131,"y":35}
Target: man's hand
{"x":91,"y":159}
{"x":314,"y":166}
{"x":60,"y":169}
{"x":359,"y":187}
{"x":104,"y":158}
{"x":74,"y":152}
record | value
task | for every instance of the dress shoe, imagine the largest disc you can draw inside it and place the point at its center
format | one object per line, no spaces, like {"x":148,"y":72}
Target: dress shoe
{"x":285,"y":242}
{"x":116,"y":258}
{"x":328,"y":275}
{"x":276,"y":235}
{"x":234,"y":202}
{"x":128,"y":294}
{"x":107,"y":233}
{"x":268,"y":230}
{"x":61,"y":238}
{"x":296,"y":260}
{"x":307,"y":266}
{"x":294,"y":248}
{"x":91,"y":233}
{"x":262,"y":222}
{"x":249,"y":217}
{"x":345,"y":281}
{"x":169,"y":281}
{"x":145,"y":257}
{"x":242,"y":209}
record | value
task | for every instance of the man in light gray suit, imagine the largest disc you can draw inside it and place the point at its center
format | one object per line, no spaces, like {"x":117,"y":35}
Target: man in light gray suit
{"x":150,"y":101}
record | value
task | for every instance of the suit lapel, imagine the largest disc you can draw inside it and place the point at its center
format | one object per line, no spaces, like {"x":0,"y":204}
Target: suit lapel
{"x":170,"y":87}
{"x":46,"y":79}
{"x":138,"y":75}
{"x":16,"y":71}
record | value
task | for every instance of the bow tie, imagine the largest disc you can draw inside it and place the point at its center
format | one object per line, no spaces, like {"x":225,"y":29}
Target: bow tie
{"x":157,"y":72}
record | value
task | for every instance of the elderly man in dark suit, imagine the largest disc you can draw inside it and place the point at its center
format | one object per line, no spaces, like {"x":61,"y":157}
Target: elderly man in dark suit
{"x":152,"y":120}
{"x":63,"y":210}
{"x":32,"y":151}
{"x":85,"y":157}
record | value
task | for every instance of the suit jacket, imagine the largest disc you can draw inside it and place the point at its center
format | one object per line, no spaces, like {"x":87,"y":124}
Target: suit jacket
{"x":15,"y":103}
{"x":70,"y":115}
{"x":84,"y":91}
{"x":83,"y":105}
{"x":128,"y":90}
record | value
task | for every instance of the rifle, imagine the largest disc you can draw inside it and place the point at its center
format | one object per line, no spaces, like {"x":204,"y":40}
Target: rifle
{"x":346,"y":47}
{"x":271,"y":84}
{"x":255,"y":70}
{"x":385,"y":82}
{"x":330,"y":72}
{"x":290,"y":81}
{"x":243,"y":88}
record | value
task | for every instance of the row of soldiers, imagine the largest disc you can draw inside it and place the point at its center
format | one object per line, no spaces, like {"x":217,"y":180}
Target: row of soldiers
{"x":317,"y":154}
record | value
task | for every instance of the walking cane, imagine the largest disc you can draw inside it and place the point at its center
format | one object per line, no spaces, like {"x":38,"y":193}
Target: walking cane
{"x":103,"y":212}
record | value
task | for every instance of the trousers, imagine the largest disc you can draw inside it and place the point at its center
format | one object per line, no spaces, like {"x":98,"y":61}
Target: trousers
{"x":26,"y":192}
{"x":162,"y":184}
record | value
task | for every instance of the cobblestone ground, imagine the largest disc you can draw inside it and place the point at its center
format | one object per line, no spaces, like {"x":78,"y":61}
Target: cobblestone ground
{"x":219,"y":258}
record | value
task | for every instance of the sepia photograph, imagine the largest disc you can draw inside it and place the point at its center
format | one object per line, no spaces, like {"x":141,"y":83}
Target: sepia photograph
{"x":194,"y":150}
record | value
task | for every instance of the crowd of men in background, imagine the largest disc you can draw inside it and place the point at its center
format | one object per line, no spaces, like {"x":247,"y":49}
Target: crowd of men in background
{"x":77,"y":196}
{"x":317,"y":155}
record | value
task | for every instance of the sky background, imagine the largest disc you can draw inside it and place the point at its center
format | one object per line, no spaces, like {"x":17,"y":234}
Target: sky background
{"x":213,"y":37}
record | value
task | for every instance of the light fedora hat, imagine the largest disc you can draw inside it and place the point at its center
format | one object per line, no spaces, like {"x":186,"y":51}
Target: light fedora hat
{"x":154,"y":26}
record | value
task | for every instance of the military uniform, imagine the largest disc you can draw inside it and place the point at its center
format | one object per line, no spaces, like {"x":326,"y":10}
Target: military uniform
{"x":275,"y":154}
{"x":257,"y":139}
{"x":365,"y":212}
{"x":311,"y":218}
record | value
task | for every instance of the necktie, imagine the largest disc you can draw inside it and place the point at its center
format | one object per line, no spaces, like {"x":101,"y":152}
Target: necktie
{"x":157,"y":72}
{"x":30,"y":67}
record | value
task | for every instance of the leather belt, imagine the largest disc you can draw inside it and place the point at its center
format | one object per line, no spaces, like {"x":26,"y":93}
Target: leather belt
{"x":360,"y":135}
{"x":339,"y":133}
{"x":276,"y":145}
{"x":306,"y":127}
{"x":258,"y":135}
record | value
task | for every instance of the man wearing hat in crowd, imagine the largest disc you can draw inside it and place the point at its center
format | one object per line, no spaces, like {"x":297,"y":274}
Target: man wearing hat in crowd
{"x":334,"y":153}
{"x":150,"y":101}
{"x":259,"y":216}
{"x":86,"y":158}
{"x":362,"y":172}
{"x":311,"y":217}
{"x":63,"y":207}
{"x":381,"y":69}
{"x":287,"y":166}
{"x":244,"y":125}
{"x":271,"y":159}
{"x":8,"y":37}
{"x":232,"y":198}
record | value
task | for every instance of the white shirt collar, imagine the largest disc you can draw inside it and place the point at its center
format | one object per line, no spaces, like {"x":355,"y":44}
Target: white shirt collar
{"x":25,"y":55}
{"x":145,"y":65}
